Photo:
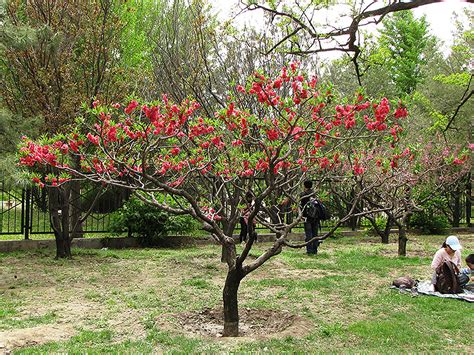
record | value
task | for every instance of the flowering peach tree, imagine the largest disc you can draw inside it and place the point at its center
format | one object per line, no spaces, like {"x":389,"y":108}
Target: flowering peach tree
{"x":412,"y":177}
{"x":273,"y":133}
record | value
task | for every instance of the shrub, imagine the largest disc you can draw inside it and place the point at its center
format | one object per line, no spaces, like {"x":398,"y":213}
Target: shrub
{"x":434,"y":224}
{"x":380,"y":221}
{"x":150,"y":224}
{"x":431,"y":220}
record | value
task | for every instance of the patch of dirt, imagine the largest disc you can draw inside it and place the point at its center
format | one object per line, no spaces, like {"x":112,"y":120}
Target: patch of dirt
{"x":126,"y":323}
{"x":71,"y":314}
{"x":18,"y":338}
{"x":254,"y":323}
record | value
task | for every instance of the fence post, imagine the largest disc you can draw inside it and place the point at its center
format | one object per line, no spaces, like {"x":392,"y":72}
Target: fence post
{"x":27,"y":213}
{"x":22,"y":224}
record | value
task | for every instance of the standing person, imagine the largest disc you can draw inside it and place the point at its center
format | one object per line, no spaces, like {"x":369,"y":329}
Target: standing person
{"x":449,"y":251}
{"x":245,"y":229}
{"x":310,"y":225}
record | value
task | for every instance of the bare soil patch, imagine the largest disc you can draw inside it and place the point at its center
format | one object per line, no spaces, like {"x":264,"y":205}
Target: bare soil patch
{"x":254,"y":323}
{"x":17,"y":338}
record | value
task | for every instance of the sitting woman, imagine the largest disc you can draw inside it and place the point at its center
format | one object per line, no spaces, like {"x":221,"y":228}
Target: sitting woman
{"x":449,"y":251}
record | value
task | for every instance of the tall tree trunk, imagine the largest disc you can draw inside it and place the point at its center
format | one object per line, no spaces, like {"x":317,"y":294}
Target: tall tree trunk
{"x":231,"y":305}
{"x":456,"y":207}
{"x":468,"y":200}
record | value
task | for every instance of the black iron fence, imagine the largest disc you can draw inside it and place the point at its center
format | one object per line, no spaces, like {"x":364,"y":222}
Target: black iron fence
{"x":24,"y":211}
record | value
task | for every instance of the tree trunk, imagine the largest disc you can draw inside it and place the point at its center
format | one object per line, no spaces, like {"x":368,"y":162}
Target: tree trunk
{"x":231,"y":306}
{"x":76,"y":211}
{"x":402,"y":236}
{"x":388,"y":227}
{"x":59,"y":214}
{"x":385,"y":233}
{"x":75,"y":204}
{"x":402,"y":241}
{"x":63,"y":246}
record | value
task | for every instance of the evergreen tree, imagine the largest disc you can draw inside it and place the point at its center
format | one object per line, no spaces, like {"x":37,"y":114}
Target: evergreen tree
{"x":405,"y":39}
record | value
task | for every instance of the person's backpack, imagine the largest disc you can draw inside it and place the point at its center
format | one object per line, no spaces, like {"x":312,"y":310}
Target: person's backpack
{"x":447,"y":278}
{"x":316,"y":210}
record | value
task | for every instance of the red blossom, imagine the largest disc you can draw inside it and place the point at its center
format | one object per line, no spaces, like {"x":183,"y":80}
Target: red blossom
{"x":230,"y":110}
{"x":357,"y":168}
{"x":382,"y":110}
{"x":112,"y":134}
{"x":93,"y":139}
{"x":324,"y":163}
{"x":401,"y":112}
{"x":262,"y":165}
{"x":313,"y":82}
{"x":297,"y":132}
{"x":277,"y":83}
{"x":272,"y":134}
{"x":175,"y":151}
{"x":131,"y":106}
{"x":73,"y":145}
{"x":294,"y":66}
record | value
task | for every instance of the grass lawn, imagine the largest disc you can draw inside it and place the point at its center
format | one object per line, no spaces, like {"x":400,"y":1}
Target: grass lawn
{"x":135,"y":301}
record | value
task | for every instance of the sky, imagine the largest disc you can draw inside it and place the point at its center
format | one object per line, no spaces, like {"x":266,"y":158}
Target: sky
{"x":439,"y":15}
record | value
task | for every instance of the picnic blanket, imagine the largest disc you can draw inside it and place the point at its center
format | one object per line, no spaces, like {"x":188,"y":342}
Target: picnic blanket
{"x":424,"y":288}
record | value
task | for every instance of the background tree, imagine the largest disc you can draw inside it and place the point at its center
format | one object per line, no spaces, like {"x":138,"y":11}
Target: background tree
{"x":420,"y":174}
{"x":299,"y":29}
{"x":56,"y":56}
{"x":441,"y":77}
{"x":405,"y":40}
{"x":444,"y":104}
{"x":195,"y":55}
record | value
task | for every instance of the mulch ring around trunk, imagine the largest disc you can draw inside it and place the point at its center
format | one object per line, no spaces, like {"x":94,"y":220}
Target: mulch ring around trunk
{"x":254,"y":323}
